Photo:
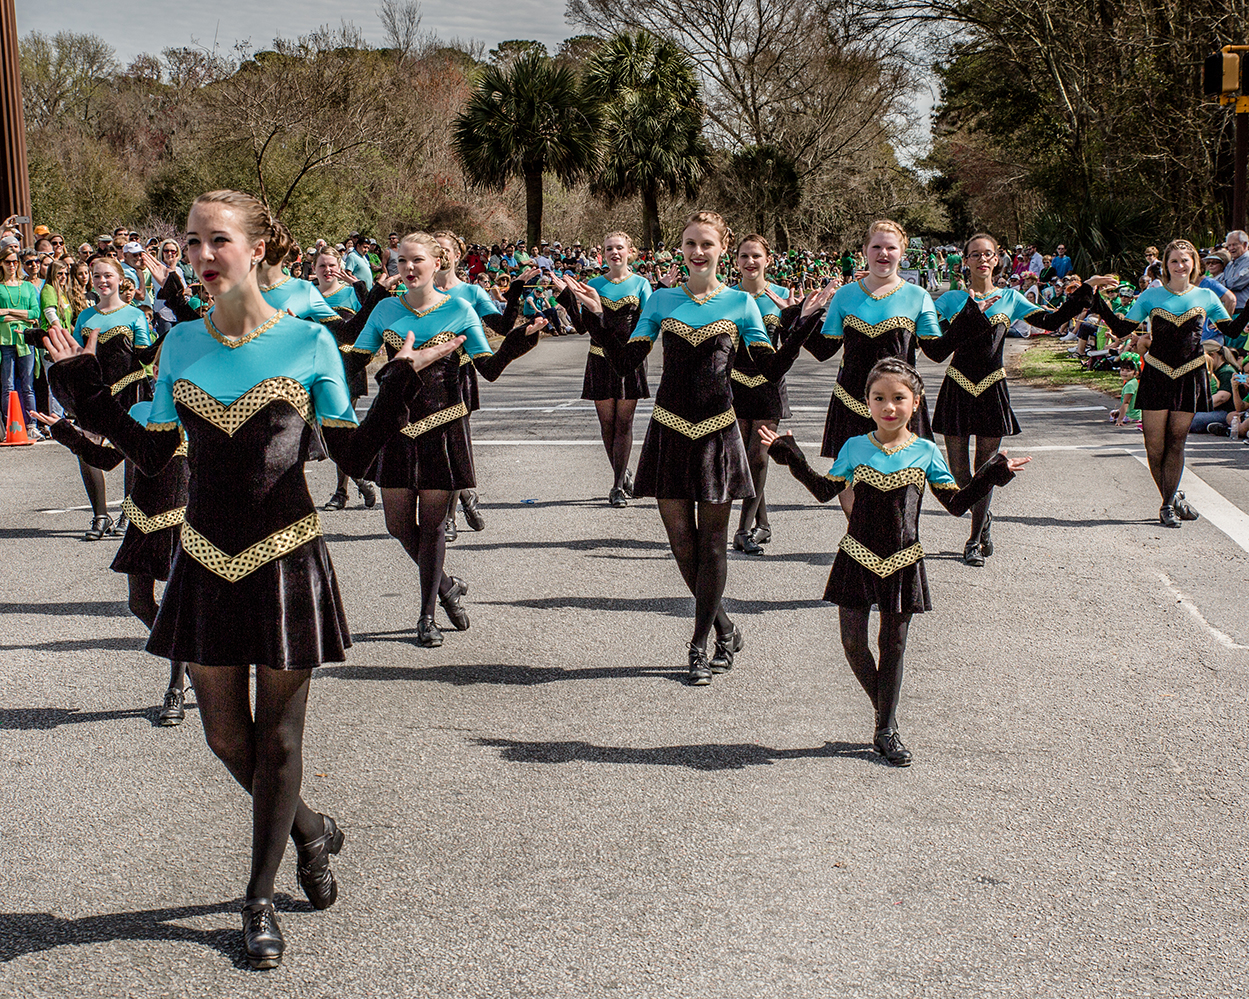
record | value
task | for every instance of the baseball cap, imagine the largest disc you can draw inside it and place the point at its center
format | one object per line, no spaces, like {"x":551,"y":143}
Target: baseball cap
{"x":132,"y":247}
{"x":9,"y":242}
{"x":42,"y":230}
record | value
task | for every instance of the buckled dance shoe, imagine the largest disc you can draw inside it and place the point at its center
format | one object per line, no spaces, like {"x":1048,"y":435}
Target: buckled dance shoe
{"x":313,"y":867}
{"x":721,"y":660}
{"x":762,"y":533}
{"x":368,"y":492}
{"x":744,"y":541}
{"x":1183,"y":507}
{"x":472,"y":510}
{"x":262,"y":936}
{"x":617,"y":497}
{"x":336,"y":502}
{"x":1167,"y":517}
{"x":100,"y":526}
{"x":173,"y":710}
{"x":973,"y":554}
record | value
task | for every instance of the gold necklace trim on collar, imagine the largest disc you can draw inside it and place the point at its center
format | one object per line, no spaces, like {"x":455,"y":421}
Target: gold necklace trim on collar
{"x":246,"y":337}
{"x":424,"y":312}
{"x":108,"y":312}
{"x":276,"y":284}
{"x":880,"y":298}
{"x":611,"y":280}
{"x":892,"y":448}
{"x":702,"y":299}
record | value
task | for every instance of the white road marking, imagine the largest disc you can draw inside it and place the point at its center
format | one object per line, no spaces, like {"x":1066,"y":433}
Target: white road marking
{"x":114,"y":505}
{"x":1188,"y":605}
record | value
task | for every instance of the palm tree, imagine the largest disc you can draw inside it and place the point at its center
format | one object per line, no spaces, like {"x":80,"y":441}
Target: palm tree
{"x":654,"y":121}
{"x":525,"y":119}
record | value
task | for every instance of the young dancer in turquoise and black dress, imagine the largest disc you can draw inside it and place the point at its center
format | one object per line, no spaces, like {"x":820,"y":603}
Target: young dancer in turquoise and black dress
{"x":880,"y":561}
{"x":693,"y":460}
{"x":1173,"y":383}
{"x":757,"y":401}
{"x":974,"y":401}
{"x":421,"y":466}
{"x":258,"y":393}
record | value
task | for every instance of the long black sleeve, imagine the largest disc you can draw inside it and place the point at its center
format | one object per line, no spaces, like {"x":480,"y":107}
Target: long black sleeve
{"x":346,"y":330}
{"x":993,"y":472}
{"x":353,"y":448}
{"x":79,"y":384}
{"x":1232,"y":328}
{"x":1119,"y":326}
{"x":624,"y":357}
{"x":502,"y":325}
{"x":569,"y":301}
{"x":822,"y":347}
{"x":785,"y":452}
{"x":173,"y":293}
{"x":773,"y":364}
{"x":96,"y":455}
{"x":1077,"y":302}
{"x":516,"y":344}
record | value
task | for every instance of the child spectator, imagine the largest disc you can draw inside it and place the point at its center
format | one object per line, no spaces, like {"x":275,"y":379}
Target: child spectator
{"x":1129,"y":368}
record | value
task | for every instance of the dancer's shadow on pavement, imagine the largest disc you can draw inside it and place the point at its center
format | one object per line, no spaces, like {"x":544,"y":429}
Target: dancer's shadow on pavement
{"x":48,"y":718}
{"x":33,"y":932}
{"x":471,"y":674}
{"x":708,"y":756}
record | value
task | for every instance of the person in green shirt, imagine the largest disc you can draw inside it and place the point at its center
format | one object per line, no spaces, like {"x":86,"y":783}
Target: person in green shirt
{"x":19,"y":309}
{"x":1127,"y":411}
{"x":953,"y":267}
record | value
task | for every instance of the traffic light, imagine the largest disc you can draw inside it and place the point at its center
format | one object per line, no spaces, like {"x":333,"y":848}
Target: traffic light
{"x":1221,"y":74}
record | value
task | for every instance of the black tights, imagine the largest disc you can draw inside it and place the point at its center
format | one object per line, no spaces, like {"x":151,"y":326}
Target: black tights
{"x":699,"y":534}
{"x":416,"y":518}
{"x":97,"y":495}
{"x":883,"y":682}
{"x":263,"y":752}
{"x":615,"y":422}
{"x":143,"y":606}
{"x":1165,"y":434}
{"x":755,"y":511}
{"x":958,"y":450}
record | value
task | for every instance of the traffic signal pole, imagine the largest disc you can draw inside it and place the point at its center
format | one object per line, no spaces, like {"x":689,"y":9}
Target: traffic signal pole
{"x":1226,"y":74}
{"x":14,"y":176}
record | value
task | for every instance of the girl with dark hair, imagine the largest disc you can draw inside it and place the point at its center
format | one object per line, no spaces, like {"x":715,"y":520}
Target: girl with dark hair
{"x":693,"y":460}
{"x":257,"y":393}
{"x":879,"y":560}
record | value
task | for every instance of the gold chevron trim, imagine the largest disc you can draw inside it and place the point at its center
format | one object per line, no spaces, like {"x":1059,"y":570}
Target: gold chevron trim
{"x":695,"y":430}
{"x":107,"y":335}
{"x":428,"y":423}
{"x":697,"y":335}
{"x":750,"y":381}
{"x":771,"y":321}
{"x":343,"y":424}
{"x":393,"y":339}
{"x":1174,"y":373}
{"x":181,"y":450}
{"x":620,"y":303}
{"x":874,"y":563}
{"x":1181,"y":319}
{"x":130,"y":379}
{"x":885,"y":481}
{"x":873,"y":331}
{"x":851,"y":403}
{"x":146,"y":524}
{"x":162,"y":426}
{"x":230,"y":418}
{"x":232,"y":568}
{"x":966,"y":384}
{"x":597,"y":351}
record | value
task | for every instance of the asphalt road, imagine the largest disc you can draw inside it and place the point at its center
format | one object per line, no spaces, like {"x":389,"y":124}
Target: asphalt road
{"x":541,"y":808}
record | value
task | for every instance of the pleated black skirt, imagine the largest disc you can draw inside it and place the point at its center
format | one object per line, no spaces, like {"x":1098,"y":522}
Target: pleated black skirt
{"x":146,"y":554}
{"x":958,"y":413}
{"x":439,"y":459}
{"x":603,"y":382}
{"x":901,"y":592}
{"x":711,"y":468}
{"x":1189,"y":393}
{"x":285,"y":615}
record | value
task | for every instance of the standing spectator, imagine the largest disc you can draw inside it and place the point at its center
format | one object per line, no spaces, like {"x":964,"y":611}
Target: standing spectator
{"x":1061,"y":262}
{"x":1151,"y":258}
{"x":357,"y":264}
{"x":1235,"y":276}
{"x":19,"y":308}
{"x":391,"y":254}
{"x":134,"y":268}
{"x":1035,"y":263}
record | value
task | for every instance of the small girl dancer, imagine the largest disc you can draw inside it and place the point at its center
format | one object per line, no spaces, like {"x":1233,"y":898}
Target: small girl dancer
{"x":880,"y":561}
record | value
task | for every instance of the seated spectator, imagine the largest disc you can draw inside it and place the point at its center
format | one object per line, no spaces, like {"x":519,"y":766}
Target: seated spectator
{"x":1129,"y":371}
{"x":1222,"y":364}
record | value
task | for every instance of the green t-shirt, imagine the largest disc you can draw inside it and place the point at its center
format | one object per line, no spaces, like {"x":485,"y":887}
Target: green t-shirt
{"x":1129,"y":392}
{"x":20,"y":296}
{"x":48,"y":300}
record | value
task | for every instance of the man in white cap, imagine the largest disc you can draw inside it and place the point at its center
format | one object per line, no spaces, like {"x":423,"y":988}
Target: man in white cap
{"x":133,"y":267}
{"x":1235,"y":276}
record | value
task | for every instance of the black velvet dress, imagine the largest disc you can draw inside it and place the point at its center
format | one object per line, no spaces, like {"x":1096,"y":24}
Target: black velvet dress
{"x":754,"y":397}
{"x":251,"y":580}
{"x":623,"y":302}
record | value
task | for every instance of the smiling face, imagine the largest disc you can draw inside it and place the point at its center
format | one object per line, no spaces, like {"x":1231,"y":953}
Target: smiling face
{"x":616,"y":251}
{"x":891,"y":402}
{"x":218,"y":248}
{"x":883,"y":251}
{"x":982,"y":256}
{"x":326,"y":270}
{"x":702,"y":246}
{"x":105,"y":279}
{"x":1180,"y":265}
{"x":418,"y":263}
{"x":752,"y":260}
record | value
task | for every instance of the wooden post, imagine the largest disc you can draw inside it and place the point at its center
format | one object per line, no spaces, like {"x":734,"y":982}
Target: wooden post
{"x":14,"y":175}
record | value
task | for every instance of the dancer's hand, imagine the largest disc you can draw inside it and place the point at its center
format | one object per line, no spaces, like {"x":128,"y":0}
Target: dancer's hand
{"x":527,"y":275}
{"x":425,"y":356}
{"x":1015,"y":464}
{"x":587,"y":296}
{"x":390,"y":282}
{"x":43,"y":418}
{"x":818,"y":300}
{"x":537,"y":326}
{"x":770,"y":436}
{"x":670,"y":279}
{"x":61,"y":345}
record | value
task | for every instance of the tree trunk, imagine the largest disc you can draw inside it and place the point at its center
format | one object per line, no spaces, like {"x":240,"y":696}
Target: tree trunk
{"x":782,"y":234}
{"x":533,"y":204}
{"x":650,"y":218}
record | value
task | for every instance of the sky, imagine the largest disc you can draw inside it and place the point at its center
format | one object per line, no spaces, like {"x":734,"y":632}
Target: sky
{"x":131,"y":30}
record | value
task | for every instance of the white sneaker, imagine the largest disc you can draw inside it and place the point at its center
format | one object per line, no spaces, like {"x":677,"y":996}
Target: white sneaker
{"x":1068,"y":337}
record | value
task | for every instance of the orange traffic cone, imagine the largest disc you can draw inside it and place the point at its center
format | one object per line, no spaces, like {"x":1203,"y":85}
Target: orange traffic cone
{"x":16,"y":424}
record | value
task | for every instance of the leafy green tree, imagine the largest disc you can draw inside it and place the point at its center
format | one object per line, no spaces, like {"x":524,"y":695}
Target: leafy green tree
{"x":520,"y":121}
{"x":508,"y":52}
{"x":654,"y":123}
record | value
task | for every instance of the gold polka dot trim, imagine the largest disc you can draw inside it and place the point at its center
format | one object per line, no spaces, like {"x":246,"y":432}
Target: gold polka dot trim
{"x":694,"y":430}
{"x":1181,"y":319}
{"x":966,"y":384}
{"x":130,"y":379}
{"x":232,"y":568}
{"x":886,"y":481}
{"x":878,"y":329}
{"x":232,"y":417}
{"x":163,"y":426}
{"x":1174,"y":373}
{"x":343,"y":424}
{"x":157,"y":522}
{"x":850,"y":402}
{"x":874,"y":563}
{"x":597,"y":351}
{"x":428,"y":423}
{"x":750,"y":381}
{"x":109,"y":334}
{"x":696,"y":335}
{"x":620,"y":303}
{"x":181,"y":450}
